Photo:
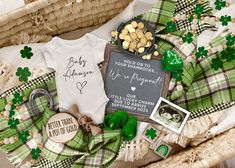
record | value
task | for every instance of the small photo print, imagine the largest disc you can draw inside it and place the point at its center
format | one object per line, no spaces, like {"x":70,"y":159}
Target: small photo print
{"x":170,"y":115}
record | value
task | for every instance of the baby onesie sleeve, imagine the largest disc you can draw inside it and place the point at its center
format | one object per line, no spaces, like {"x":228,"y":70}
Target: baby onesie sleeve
{"x":49,"y":57}
{"x":97,"y":47}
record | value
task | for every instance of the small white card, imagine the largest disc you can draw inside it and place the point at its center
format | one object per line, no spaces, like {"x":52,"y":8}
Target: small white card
{"x":170,"y":115}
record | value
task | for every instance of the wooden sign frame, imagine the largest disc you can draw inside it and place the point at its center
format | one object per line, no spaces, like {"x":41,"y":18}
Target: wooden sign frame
{"x":165,"y":85}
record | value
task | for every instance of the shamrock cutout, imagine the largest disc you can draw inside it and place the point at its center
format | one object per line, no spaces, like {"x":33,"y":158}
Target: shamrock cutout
{"x":13,"y":123}
{"x":230,"y":40}
{"x":170,"y":27}
{"x":23,"y":74}
{"x":225,"y":20}
{"x":198,"y":9}
{"x":17,"y":98}
{"x":188,"y":38}
{"x":12,"y":113}
{"x":201,"y":52}
{"x":219,"y":4}
{"x":151,"y":133}
{"x":228,"y":54}
{"x":13,"y":107}
{"x":23,"y":136}
{"x":177,"y":75}
{"x":35,"y":153}
{"x":26,"y":52}
{"x":216,"y":63}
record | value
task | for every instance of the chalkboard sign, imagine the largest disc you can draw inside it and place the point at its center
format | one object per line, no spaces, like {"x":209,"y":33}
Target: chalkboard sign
{"x":133,"y":84}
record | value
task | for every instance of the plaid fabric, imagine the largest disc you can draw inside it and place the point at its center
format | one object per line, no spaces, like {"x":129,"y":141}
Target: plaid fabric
{"x":82,"y":151}
{"x":204,"y":86}
{"x":210,"y":87}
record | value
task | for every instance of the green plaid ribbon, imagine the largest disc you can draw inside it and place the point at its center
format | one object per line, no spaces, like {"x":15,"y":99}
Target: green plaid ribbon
{"x":84,"y":150}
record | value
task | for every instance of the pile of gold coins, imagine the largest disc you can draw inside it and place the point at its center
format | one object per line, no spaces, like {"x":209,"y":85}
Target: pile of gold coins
{"x":135,"y":37}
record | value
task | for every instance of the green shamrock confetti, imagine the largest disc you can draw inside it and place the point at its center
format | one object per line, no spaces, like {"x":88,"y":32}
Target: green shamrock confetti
{"x":13,"y":123}
{"x":177,"y":75}
{"x":188,"y":38}
{"x":151,"y":133}
{"x":35,"y":153}
{"x":12,"y":113}
{"x":228,"y":54}
{"x":26,"y":52}
{"x":17,"y":98}
{"x":23,"y":74}
{"x":216,"y":63}
{"x":23,"y":136}
{"x":225,"y":20}
{"x":198,"y":10}
{"x":201,"y":52}
{"x":230,"y":40}
{"x":13,"y":107}
{"x":219,"y":4}
{"x":170,"y":27}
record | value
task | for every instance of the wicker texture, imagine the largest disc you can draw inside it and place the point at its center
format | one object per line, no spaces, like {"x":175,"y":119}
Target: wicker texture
{"x":53,"y":17}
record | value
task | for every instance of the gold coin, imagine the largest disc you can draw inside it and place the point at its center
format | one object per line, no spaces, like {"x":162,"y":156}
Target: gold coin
{"x":143,"y":41}
{"x":148,"y":44}
{"x":141,"y":50}
{"x":133,"y":45}
{"x":124,"y":31}
{"x":148,"y":35}
{"x":125,"y":44}
{"x":131,"y":50}
{"x":114,"y":33}
{"x":140,"y":35}
{"x":155,"y":53}
{"x":134,"y":24}
{"x":121,"y":36}
{"x":127,"y":38}
{"x":133,"y":36}
{"x":140,"y":25}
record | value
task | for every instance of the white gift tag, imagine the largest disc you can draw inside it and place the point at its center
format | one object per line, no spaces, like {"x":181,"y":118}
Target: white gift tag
{"x":62,"y":127}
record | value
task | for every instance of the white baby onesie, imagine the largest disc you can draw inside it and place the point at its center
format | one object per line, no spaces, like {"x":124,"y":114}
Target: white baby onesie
{"x":78,"y":78}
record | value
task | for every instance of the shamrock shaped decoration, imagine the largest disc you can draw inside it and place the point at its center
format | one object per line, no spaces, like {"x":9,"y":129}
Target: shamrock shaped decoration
{"x":228,"y":54}
{"x":216,"y":63}
{"x":171,"y":61}
{"x":170,"y":27}
{"x":13,"y":123}
{"x":23,"y":136}
{"x":219,"y":4}
{"x":201,"y":52}
{"x":23,"y":74}
{"x":188,"y":38}
{"x":26,"y":52}
{"x":35,"y":153}
{"x":12,"y":113}
{"x":225,"y":20}
{"x":230,"y":40}
{"x":177,"y":75}
{"x":151,"y":133}
{"x":198,"y":10}
{"x":17,"y":98}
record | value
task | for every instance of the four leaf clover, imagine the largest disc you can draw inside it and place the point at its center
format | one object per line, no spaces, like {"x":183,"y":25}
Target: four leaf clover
{"x":13,"y":123}
{"x":188,"y":38}
{"x":228,"y":54}
{"x":151,"y":133}
{"x":170,"y":27}
{"x":23,"y":136}
{"x":201,"y":52}
{"x":23,"y":74}
{"x":198,"y":9}
{"x":17,"y":98}
{"x":225,"y":20}
{"x":216,"y":63}
{"x":35,"y":153}
{"x":12,"y":113}
{"x":26,"y":52}
{"x":230,"y":40}
{"x":219,"y":4}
